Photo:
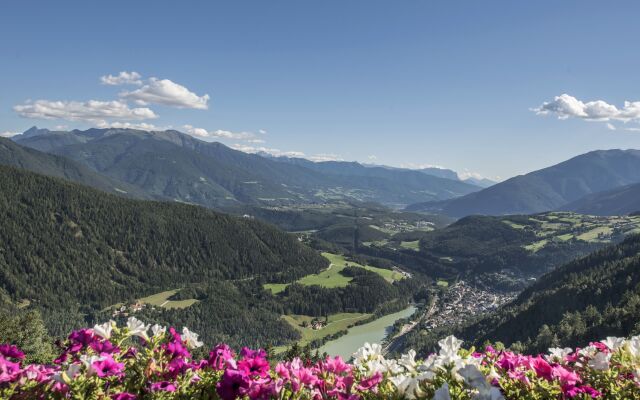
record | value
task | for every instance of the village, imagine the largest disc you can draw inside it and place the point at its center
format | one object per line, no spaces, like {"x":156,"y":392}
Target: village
{"x":460,"y":301}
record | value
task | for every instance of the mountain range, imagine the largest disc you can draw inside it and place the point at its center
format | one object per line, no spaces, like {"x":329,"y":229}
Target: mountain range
{"x":170,"y":165}
{"x":618,"y":201}
{"x":547,"y":189}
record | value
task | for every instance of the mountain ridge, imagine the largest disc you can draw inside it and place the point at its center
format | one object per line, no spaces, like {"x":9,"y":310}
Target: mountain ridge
{"x":547,"y":189}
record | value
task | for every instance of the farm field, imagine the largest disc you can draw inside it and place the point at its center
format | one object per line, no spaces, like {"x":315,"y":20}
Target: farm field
{"x":561,"y":227}
{"x":332,"y":278}
{"x":161,"y":299}
{"x":336,"y":323}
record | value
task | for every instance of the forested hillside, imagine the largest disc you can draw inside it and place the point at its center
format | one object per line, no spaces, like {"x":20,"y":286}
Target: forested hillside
{"x":71,"y":251}
{"x":14,"y":155}
{"x":549,"y":188}
{"x":595,"y":296}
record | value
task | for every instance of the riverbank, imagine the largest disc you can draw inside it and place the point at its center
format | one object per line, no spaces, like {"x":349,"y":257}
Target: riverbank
{"x":373,"y":332}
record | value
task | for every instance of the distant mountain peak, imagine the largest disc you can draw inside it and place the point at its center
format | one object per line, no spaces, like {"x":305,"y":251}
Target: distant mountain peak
{"x":34,"y":131}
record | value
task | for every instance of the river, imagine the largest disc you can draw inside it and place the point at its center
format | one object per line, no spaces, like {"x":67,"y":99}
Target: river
{"x":372,"y":332}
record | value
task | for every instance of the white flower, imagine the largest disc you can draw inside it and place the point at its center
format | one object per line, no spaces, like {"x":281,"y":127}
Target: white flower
{"x":633,"y":346}
{"x":190,"y":338}
{"x":449,"y":347}
{"x":474,"y":378}
{"x":557,"y":354}
{"x":588,"y":351}
{"x":104,"y":330}
{"x":613,"y":343}
{"x":89,"y":360}
{"x":158,"y":330}
{"x":600,"y":362}
{"x":68,"y":375}
{"x":408,"y":360}
{"x":367,"y":352}
{"x":137,"y":328}
{"x":401,"y":382}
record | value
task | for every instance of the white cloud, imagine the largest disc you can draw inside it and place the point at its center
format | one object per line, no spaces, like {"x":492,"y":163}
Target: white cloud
{"x":421,"y":166}
{"x":168,"y":93}
{"x":262,"y":131}
{"x":8,"y":134}
{"x":255,"y":141}
{"x":611,"y":127}
{"x":128,"y":125}
{"x":274,"y":152}
{"x":221,"y":134}
{"x":324,"y":157}
{"x":566,"y":106}
{"x":123,"y":78}
{"x":372,"y":157}
{"x":88,"y":111}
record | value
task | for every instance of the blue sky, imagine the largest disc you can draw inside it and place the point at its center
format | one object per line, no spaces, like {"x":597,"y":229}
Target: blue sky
{"x":403,"y":83}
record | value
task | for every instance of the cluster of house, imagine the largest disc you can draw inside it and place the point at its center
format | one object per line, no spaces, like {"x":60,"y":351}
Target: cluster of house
{"x":460,"y":301}
{"x":132,"y":308}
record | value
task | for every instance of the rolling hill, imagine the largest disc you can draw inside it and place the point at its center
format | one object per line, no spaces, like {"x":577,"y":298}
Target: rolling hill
{"x":72,"y":252}
{"x":176,"y":166}
{"x":619,"y":201}
{"x":18,"y":156}
{"x":547,"y":189}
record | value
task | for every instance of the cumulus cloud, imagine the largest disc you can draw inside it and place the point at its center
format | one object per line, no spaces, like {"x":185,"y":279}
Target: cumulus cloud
{"x":88,"y":111}
{"x":123,"y":78}
{"x":220,"y":134}
{"x":262,"y":131}
{"x":566,"y":106}
{"x":128,"y":125}
{"x":255,"y":141}
{"x":421,"y":166}
{"x":324,"y":157}
{"x":274,"y":152}
{"x":168,"y":93}
{"x":8,"y":134}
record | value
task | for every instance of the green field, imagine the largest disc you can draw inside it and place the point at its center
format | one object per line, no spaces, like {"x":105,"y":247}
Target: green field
{"x":513,"y":224}
{"x":332,"y":278}
{"x":566,"y":237}
{"x":592,"y":235}
{"x":337,"y":322}
{"x":534,"y":247}
{"x":161,"y":299}
{"x":413,"y":245}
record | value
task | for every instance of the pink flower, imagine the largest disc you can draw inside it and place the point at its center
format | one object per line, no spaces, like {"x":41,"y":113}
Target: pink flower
{"x":9,"y":371}
{"x":336,"y":365}
{"x":220,"y":356}
{"x":370,"y":383}
{"x":565,"y":376}
{"x":103,"y":347}
{"x":107,"y":367}
{"x":38,"y":373}
{"x":254,"y":366}
{"x":233,"y":384}
{"x":123,"y":396}
{"x":11,"y":351}
{"x":542,"y":368}
{"x":163,"y":387}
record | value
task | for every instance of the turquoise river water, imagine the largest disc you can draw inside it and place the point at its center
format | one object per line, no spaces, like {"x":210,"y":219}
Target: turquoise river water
{"x":372,"y":332}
